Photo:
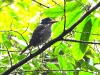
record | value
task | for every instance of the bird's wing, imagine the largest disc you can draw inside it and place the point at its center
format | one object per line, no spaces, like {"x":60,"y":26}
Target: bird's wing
{"x":36,"y":34}
{"x":38,"y":30}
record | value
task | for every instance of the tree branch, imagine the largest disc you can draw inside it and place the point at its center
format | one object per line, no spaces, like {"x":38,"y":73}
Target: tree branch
{"x":8,"y":54}
{"x":57,"y":4}
{"x":60,"y":37}
{"x":5,"y":6}
{"x":40,"y":3}
{"x":80,"y":41}
{"x":64,"y":15}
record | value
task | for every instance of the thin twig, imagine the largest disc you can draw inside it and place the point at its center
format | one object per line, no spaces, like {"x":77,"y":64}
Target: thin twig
{"x":40,"y":3}
{"x":8,"y":55}
{"x":96,"y":46}
{"x":25,"y":29}
{"x":57,"y":4}
{"x":5,"y":6}
{"x":20,"y":35}
{"x":80,"y":41}
{"x":16,"y":32}
{"x":50,"y":70}
{"x":87,"y":33}
{"x":64,"y":15}
{"x":11,"y":25}
{"x":10,"y":51}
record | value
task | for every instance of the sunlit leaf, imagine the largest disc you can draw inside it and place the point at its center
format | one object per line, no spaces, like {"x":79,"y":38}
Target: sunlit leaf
{"x":85,"y":73}
{"x":85,"y":37}
{"x":72,"y":17}
{"x":54,"y":12}
{"x":52,"y":66}
{"x":79,"y":49}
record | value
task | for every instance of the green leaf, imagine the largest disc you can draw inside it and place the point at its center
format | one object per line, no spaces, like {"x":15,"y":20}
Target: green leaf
{"x":1,"y":38}
{"x":85,"y":37}
{"x":54,"y":12}
{"x":71,"y":60}
{"x":60,"y":49}
{"x":36,"y":64}
{"x":64,"y":65}
{"x":14,"y":15}
{"x":57,"y":29}
{"x":94,"y":68}
{"x":72,"y":5}
{"x":79,"y":49}
{"x":52,"y":66}
{"x":77,"y":54}
{"x":62,"y":62}
{"x":5,"y":60}
{"x":84,"y":1}
{"x":15,"y":58}
{"x":72,"y":17}
{"x":1,"y":3}
{"x":56,"y":51}
{"x":25,"y":66}
{"x":95,"y":28}
{"x":85,"y":73}
{"x":63,"y":47}
{"x":24,"y":5}
{"x":5,"y":38}
{"x":8,"y":1}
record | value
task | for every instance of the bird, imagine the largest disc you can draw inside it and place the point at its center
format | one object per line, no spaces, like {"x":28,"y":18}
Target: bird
{"x":41,"y":34}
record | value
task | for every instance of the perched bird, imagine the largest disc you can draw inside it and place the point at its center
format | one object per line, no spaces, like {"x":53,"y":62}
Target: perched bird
{"x":41,"y":34}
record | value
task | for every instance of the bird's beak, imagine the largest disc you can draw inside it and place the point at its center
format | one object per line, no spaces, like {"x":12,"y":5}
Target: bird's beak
{"x":53,"y":21}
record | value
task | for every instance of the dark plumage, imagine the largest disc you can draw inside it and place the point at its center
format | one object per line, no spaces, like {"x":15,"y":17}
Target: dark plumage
{"x":41,"y":34}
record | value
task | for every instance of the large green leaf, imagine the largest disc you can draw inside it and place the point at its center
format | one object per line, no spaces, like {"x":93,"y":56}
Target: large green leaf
{"x":95,"y":28}
{"x":57,"y":29}
{"x":79,"y":49}
{"x":54,"y":12}
{"x":72,"y":17}
{"x":72,"y":5}
{"x":65,"y":65}
{"x":85,"y":37}
{"x":52,"y":66}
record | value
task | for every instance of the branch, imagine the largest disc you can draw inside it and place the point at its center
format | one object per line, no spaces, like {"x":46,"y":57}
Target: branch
{"x":40,"y":3}
{"x":25,"y":29}
{"x":80,"y":41}
{"x":64,"y":15}
{"x":82,"y":18}
{"x":8,"y":54}
{"x":57,"y":4}
{"x":16,"y":32}
{"x":60,"y":37}
{"x":5,"y":6}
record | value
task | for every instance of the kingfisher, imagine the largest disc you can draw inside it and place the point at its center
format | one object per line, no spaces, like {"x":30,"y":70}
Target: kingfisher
{"x":41,"y":34}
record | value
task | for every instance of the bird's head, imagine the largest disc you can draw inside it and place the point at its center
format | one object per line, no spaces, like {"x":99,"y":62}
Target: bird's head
{"x":47,"y":21}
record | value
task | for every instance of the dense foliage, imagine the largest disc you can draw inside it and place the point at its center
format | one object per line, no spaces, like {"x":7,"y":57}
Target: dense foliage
{"x":19,"y":18}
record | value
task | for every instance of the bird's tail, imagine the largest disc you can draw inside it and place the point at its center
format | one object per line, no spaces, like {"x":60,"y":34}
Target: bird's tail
{"x":25,"y":49}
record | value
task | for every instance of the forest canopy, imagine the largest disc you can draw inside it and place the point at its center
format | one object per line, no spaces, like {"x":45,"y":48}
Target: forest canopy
{"x":73,"y":48}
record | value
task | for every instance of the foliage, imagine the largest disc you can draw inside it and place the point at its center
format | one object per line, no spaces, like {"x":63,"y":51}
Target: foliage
{"x":19,"y":18}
